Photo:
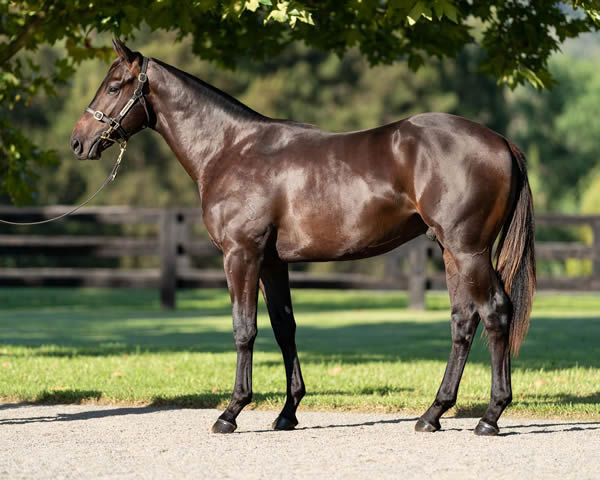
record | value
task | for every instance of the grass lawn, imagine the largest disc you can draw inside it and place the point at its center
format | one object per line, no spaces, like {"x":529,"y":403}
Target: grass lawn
{"x":358,"y":350}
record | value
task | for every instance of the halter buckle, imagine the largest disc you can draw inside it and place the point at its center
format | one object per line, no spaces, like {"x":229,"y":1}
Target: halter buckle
{"x":142,"y":77}
{"x":98,"y":115}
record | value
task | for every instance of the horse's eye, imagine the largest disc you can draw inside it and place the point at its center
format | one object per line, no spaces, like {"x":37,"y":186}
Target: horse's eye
{"x":113,"y":90}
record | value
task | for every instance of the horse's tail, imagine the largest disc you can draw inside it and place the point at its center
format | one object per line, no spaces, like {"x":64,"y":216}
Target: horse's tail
{"x":515,"y":255}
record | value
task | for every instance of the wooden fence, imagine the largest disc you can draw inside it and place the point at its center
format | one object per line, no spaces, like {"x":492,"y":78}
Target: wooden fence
{"x":175,"y":245}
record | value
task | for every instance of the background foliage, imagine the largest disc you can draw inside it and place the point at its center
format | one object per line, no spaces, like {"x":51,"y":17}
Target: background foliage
{"x":556,"y":128}
{"x":517,"y":39}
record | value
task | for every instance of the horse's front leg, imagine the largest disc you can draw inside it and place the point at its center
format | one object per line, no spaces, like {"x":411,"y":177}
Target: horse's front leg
{"x":275,"y":286}
{"x":242,"y":268}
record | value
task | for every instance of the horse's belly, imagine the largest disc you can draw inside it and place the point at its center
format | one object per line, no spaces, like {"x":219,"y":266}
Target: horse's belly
{"x":325,"y":237}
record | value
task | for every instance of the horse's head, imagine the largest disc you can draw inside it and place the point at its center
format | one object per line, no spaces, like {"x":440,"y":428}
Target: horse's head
{"x":122,"y":83}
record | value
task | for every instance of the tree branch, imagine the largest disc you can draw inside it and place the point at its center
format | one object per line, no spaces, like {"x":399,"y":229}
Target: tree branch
{"x":21,"y":40}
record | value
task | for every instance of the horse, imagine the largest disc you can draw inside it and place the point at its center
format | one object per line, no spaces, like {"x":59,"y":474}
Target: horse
{"x":277,"y":191}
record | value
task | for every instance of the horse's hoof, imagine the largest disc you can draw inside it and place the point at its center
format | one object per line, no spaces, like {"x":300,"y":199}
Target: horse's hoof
{"x":486,"y":429}
{"x":223,"y":426}
{"x":423,"y":425}
{"x":282,"y":423}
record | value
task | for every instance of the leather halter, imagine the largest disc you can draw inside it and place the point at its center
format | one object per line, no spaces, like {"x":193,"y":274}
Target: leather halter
{"x":114,"y":124}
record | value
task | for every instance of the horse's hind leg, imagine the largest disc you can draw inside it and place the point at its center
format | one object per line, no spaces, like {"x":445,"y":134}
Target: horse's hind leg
{"x":464,"y":321}
{"x":496,"y":314}
{"x":495,"y":310}
{"x":276,"y":291}
{"x":480,"y":282}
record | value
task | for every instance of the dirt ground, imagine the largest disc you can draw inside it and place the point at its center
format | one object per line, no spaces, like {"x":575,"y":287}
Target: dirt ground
{"x":86,"y":441}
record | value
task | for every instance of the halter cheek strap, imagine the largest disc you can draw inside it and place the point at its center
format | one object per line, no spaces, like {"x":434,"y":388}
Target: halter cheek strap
{"x":114,"y":124}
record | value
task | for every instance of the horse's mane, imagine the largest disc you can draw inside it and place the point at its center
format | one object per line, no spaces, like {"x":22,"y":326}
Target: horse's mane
{"x":222,"y":99}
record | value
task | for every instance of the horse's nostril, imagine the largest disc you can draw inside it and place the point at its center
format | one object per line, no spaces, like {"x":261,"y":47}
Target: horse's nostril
{"x":76,"y":145}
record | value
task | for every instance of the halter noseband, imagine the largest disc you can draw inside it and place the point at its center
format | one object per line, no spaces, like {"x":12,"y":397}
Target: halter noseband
{"x":114,"y":124}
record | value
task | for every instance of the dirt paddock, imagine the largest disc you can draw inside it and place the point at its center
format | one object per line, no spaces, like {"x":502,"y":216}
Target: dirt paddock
{"x":86,"y":441}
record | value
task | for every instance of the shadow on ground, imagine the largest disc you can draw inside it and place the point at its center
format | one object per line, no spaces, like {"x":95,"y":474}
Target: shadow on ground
{"x":532,"y":402}
{"x":221,"y":399}
{"x":508,"y":428}
{"x":552,"y":343}
{"x":83,"y":324}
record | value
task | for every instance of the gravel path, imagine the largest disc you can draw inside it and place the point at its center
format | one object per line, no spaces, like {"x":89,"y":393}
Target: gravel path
{"x":86,"y":441}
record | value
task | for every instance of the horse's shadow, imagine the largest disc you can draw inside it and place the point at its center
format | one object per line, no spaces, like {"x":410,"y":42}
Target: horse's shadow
{"x":507,"y":430}
{"x":550,"y":428}
{"x":78,"y":416}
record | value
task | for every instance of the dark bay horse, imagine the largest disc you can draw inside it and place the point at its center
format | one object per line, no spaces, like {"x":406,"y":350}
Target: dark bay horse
{"x":277,"y":191}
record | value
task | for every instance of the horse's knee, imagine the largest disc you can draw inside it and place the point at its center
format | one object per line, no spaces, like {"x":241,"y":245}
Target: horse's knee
{"x":244,"y":337}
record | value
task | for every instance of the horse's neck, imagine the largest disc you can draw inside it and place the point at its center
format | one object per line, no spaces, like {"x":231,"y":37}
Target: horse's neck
{"x":193,"y":122}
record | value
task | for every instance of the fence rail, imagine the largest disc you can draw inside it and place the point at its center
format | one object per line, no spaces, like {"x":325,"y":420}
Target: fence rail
{"x":174,"y":244}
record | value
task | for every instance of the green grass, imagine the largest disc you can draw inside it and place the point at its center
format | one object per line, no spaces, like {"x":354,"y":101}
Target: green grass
{"x":358,"y":350}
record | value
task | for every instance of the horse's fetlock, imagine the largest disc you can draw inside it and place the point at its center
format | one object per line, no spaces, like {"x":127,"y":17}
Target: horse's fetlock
{"x":298,"y":394}
{"x":445,"y":403}
{"x":243,"y":399}
{"x":503,"y":400}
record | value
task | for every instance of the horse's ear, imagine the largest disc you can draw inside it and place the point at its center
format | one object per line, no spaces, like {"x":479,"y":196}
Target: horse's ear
{"x":123,"y":51}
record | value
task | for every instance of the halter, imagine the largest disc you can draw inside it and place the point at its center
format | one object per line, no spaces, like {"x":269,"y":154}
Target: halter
{"x":114,"y":124}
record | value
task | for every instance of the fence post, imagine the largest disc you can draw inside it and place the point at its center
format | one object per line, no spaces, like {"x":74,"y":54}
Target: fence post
{"x":182,"y":239}
{"x":416,"y":274}
{"x":596,"y":250}
{"x":168,"y":258}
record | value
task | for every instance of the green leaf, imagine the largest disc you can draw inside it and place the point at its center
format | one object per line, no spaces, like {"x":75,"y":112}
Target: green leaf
{"x":419,"y":10}
{"x":445,"y":8}
{"x":252,"y":5}
{"x":277,"y":15}
{"x":8,"y":77}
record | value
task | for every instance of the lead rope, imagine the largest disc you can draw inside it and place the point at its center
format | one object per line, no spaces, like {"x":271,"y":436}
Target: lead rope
{"x":111,"y":176}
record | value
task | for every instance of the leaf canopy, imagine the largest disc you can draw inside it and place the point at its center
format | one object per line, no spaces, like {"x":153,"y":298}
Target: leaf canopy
{"x":518,"y":38}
